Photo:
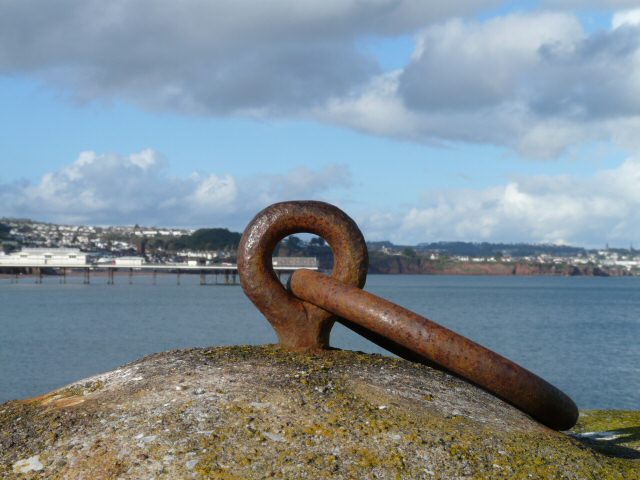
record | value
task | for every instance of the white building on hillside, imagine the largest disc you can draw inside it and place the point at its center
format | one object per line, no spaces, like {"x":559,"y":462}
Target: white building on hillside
{"x":296,"y":262}
{"x":129,"y":261}
{"x":55,"y":257}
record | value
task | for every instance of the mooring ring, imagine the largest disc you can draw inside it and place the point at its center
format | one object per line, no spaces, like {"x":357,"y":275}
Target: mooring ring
{"x":298,"y":324}
{"x":303,"y":325}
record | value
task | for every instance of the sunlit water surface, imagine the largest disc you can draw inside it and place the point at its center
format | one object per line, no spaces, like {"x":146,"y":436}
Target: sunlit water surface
{"x":581,"y":334}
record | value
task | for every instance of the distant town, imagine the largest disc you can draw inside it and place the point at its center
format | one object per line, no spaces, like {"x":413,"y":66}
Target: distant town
{"x":134,"y":245}
{"x":105,"y":244}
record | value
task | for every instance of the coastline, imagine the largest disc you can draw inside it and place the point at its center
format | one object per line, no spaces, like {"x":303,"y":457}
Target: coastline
{"x":396,"y":266}
{"x":423,"y":266}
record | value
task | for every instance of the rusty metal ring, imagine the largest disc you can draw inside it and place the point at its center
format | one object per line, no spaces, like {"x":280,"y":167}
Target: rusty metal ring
{"x":298,"y":324}
{"x":303,"y":318}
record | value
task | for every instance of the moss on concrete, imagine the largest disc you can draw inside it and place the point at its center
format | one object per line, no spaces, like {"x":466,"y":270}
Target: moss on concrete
{"x":256,"y":412}
{"x":612,"y":432}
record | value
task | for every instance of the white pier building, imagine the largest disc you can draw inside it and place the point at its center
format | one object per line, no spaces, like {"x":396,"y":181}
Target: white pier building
{"x":63,"y":259}
{"x":128,"y":261}
{"x":42,"y":257}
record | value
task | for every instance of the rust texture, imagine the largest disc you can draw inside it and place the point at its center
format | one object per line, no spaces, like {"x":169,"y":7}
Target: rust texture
{"x":298,"y":324}
{"x":304,"y":315}
{"x":441,"y":346}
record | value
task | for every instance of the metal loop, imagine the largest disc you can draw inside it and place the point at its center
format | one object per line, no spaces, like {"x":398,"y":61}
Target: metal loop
{"x":298,"y":324}
{"x":303,"y":319}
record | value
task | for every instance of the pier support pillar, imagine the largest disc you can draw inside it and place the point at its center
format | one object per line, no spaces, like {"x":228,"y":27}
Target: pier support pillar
{"x":203,"y":278}
{"x":110,"y":274}
{"x":155,"y":273}
{"x":130,"y":276}
{"x":178,"y":278}
{"x":87,"y":276}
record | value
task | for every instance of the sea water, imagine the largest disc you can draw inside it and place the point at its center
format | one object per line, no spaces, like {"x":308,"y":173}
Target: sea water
{"x":580,"y":333}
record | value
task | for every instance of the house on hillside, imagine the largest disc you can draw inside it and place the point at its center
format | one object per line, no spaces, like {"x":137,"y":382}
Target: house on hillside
{"x":57,"y":257}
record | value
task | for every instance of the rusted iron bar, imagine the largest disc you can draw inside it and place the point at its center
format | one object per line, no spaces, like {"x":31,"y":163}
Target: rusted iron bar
{"x":439,"y":345}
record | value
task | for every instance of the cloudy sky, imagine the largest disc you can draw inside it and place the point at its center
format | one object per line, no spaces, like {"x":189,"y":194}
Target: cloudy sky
{"x":424,"y":120}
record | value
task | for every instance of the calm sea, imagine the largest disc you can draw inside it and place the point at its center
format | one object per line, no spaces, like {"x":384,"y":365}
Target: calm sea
{"x":581,"y":334}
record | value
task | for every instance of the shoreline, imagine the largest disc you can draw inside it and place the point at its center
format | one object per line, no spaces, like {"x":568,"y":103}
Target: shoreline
{"x":444,"y":273}
{"x":420,"y":266}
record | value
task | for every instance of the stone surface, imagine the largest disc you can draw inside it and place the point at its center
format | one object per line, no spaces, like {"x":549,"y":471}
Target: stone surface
{"x":256,"y":412}
{"x":27,"y":465}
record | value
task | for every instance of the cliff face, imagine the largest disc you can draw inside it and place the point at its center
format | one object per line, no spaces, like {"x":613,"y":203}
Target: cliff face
{"x":256,"y":412}
{"x":397,"y":264}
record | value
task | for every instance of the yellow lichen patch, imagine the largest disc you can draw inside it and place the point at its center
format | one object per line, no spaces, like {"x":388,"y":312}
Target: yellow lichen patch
{"x":610,"y":431}
{"x":601,"y":420}
{"x":55,"y":400}
{"x":101,"y":463}
{"x":66,"y":397}
{"x":216,"y":473}
{"x":39,"y":400}
{"x":67,"y":402}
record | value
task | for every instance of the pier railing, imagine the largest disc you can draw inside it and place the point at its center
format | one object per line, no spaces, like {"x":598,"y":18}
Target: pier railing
{"x":281,"y":265}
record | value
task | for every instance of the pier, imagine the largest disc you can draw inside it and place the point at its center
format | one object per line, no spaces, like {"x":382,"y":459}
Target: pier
{"x":225,"y":274}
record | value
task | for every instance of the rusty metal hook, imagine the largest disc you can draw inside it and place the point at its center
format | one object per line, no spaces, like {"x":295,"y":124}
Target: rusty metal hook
{"x":303,"y":317}
{"x":298,"y":324}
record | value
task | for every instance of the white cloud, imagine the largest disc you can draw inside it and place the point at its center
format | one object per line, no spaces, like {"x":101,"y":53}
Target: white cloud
{"x":536,"y":82}
{"x":120,"y":189}
{"x":598,"y":5}
{"x":212,"y":192}
{"x":626,"y":17}
{"x":206,"y":57}
{"x":558,"y":209}
{"x":471,"y":65}
{"x":135,"y":188}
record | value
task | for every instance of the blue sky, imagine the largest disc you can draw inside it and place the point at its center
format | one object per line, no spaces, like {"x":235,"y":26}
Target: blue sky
{"x":425,"y":121}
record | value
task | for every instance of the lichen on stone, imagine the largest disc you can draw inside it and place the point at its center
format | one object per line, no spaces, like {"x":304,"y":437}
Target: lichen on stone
{"x":255,"y":412}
